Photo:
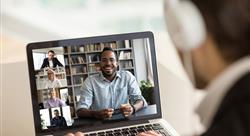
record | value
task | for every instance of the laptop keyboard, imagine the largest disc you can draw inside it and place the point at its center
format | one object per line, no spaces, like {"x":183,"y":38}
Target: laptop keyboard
{"x":132,"y":131}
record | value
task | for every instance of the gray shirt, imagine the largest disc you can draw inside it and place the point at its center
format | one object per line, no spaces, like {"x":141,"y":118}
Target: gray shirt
{"x":99,"y":93}
{"x":52,"y":103}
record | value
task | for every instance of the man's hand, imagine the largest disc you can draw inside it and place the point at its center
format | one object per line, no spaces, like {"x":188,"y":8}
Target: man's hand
{"x":76,"y":134}
{"x":104,"y":113}
{"x":126,"y":109}
{"x":149,"y":133}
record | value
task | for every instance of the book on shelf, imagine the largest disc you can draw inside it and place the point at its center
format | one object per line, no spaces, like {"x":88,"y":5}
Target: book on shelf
{"x":123,"y":44}
{"x":78,"y":69}
{"x":73,"y":70}
{"x":126,"y":64}
{"x":94,"y":68}
{"x":69,"y":81}
{"x":78,"y":80}
{"x":90,"y":58}
{"x":101,"y":46}
{"x":81,"y":49}
{"x":67,"y":71}
{"x":70,"y":99}
{"x":91,"y":47}
{"x":66,"y":61}
{"x":80,"y":59}
{"x":70,"y":61}
{"x":76,"y":60}
{"x":93,"y":58}
{"x":127,"y":44}
{"x":68,"y":50}
{"x":84,"y":69}
{"x":112,"y":45}
{"x":91,"y":67}
{"x":121,"y":55}
{"x":87,"y":48}
{"x":65,"y":50}
{"x":74,"y":49}
{"x":125,"y":55}
{"x":73,"y":60}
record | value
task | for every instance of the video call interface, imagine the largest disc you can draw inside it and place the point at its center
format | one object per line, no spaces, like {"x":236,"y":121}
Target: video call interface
{"x":73,"y":77}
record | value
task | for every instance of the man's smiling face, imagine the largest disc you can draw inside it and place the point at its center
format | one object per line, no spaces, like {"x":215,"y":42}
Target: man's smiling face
{"x":108,"y":64}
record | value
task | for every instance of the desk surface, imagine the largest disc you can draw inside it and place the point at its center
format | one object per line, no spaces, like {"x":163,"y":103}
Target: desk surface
{"x":150,"y":109}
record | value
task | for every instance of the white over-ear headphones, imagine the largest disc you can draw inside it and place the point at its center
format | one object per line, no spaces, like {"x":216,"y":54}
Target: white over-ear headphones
{"x":185,"y":24}
{"x":186,"y":28}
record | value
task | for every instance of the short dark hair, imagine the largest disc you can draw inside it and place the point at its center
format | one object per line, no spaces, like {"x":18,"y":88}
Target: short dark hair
{"x":56,"y":111}
{"x":51,"y":51}
{"x":228,"y":22}
{"x":108,"y":49}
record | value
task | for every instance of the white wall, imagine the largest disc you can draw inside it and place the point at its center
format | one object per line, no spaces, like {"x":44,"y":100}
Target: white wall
{"x":140,"y":59}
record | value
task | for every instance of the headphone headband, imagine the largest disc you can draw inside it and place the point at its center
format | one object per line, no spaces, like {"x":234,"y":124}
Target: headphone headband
{"x":185,"y":24}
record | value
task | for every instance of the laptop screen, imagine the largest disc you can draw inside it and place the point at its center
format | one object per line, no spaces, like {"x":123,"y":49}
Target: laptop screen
{"x":93,"y":82}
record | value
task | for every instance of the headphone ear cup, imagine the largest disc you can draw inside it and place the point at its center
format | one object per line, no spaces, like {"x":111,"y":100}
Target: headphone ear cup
{"x":185,"y":24}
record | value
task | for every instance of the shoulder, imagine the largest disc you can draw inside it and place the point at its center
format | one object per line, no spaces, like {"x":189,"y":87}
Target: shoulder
{"x":58,"y":99}
{"x":239,"y":92}
{"x":91,"y":79}
{"x":235,"y":121}
{"x":234,"y":108}
{"x":57,"y":80}
{"x":55,"y":59}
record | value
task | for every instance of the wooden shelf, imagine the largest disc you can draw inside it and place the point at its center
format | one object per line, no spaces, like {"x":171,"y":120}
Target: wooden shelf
{"x":96,"y":62}
{"x":126,"y":59}
{"x":78,"y":64}
{"x":123,"y":49}
{"x":79,"y":74}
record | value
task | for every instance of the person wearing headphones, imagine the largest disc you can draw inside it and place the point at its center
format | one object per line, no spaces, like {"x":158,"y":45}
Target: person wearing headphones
{"x":212,"y":38}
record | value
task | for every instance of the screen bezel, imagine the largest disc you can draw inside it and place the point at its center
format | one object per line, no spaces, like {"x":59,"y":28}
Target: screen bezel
{"x":88,"y":40}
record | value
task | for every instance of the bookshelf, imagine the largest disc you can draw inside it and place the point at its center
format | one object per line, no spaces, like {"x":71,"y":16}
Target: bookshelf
{"x":82,"y":61}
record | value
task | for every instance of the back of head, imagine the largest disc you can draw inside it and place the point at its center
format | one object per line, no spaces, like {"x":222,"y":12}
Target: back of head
{"x":228,"y":23}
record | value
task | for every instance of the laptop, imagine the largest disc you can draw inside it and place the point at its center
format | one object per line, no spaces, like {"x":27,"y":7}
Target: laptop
{"x":58,"y":70}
